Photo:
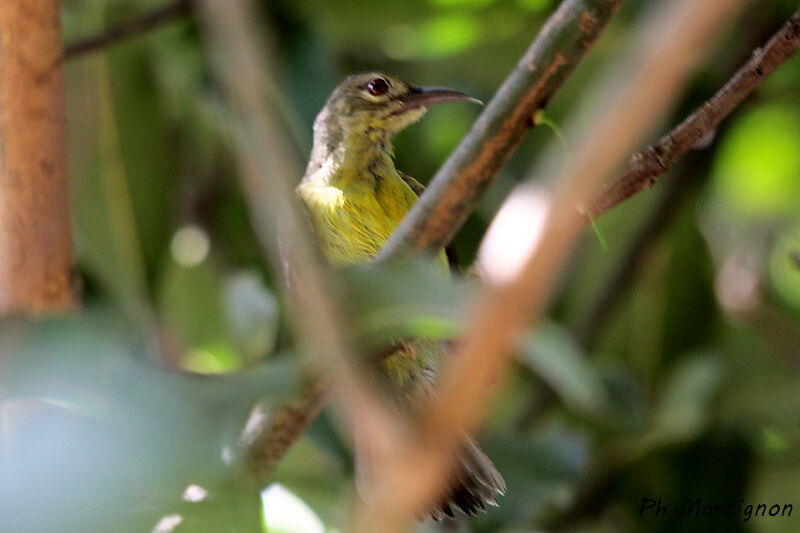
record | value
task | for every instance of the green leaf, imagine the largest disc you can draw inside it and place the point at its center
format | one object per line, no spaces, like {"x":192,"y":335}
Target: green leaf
{"x":192,"y":307}
{"x":404,"y":298}
{"x":252,"y":314}
{"x":756,"y":168}
{"x":552,"y":354}
{"x":684,"y":405}
{"x":121,"y":439}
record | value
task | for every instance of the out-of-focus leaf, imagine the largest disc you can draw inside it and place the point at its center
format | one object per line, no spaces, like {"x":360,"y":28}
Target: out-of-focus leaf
{"x":284,"y":512}
{"x":231,"y":506}
{"x":684,"y":405}
{"x":107,"y":234}
{"x":553,"y":355}
{"x":447,"y":35}
{"x":761,"y":388}
{"x":540,"y":471}
{"x":191,"y":304}
{"x":626,"y":408}
{"x":756,"y":169}
{"x":784,"y":267}
{"x":252,"y":314}
{"x":316,"y":476}
{"x":100,"y":438}
{"x":145,"y":146}
{"x":776,"y":482}
{"x":404,"y":298}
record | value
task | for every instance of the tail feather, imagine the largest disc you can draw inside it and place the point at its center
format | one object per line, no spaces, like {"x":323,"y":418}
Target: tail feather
{"x":476,"y":485}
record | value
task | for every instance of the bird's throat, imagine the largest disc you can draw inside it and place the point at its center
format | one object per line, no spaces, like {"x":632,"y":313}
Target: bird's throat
{"x":355,"y":158}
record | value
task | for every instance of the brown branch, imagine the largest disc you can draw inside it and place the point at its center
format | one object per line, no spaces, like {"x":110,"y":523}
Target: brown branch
{"x":35,"y":239}
{"x":279,"y":430}
{"x":590,"y":500}
{"x":614,"y":288}
{"x":666,"y":49}
{"x":451,"y":196}
{"x":129,"y":29}
{"x":645,"y":166}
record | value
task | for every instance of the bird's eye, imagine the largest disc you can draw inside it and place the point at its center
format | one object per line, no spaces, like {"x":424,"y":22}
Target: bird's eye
{"x":377,"y":87}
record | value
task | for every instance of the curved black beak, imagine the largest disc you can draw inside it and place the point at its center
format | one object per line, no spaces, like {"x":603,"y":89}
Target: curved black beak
{"x":425,"y":96}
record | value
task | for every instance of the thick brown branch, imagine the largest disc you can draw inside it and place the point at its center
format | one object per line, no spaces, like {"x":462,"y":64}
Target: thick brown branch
{"x":35,"y":241}
{"x":454,"y":190}
{"x":645,"y":166}
{"x":129,"y":29}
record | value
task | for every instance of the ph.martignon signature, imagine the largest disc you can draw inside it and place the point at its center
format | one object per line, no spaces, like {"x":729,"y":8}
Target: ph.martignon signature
{"x":696,"y":507}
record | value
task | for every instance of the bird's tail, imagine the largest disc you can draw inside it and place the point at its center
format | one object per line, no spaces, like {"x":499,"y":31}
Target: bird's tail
{"x":475,"y":485}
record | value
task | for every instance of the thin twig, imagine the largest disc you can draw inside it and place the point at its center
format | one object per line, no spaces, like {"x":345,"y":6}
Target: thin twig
{"x":645,"y":166}
{"x":451,"y":196}
{"x":279,"y":430}
{"x":666,"y":50}
{"x":129,"y":29}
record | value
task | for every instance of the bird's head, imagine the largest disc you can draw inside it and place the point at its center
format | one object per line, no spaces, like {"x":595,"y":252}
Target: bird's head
{"x":373,"y":102}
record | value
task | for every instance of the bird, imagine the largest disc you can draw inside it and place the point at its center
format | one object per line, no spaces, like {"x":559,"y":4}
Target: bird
{"x":355,"y":198}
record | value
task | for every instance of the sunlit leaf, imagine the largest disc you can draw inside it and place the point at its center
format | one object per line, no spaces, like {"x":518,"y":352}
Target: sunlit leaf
{"x":756,"y":169}
{"x":252,"y":314}
{"x":448,"y":35}
{"x":284,"y":512}
{"x":192,"y":306}
{"x":784,"y":267}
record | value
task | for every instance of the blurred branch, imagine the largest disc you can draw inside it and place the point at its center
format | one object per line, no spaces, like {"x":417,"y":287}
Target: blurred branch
{"x":452,"y":193}
{"x":35,"y":237}
{"x":129,"y":29}
{"x":668,"y":45}
{"x":279,"y":430}
{"x":613,"y":290}
{"x":645,"y":166}
{"x":242,"y":66}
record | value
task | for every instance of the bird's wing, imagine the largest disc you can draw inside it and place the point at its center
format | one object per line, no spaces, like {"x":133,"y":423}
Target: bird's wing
{"x":416,"y":186}
{"x":449,"y":250}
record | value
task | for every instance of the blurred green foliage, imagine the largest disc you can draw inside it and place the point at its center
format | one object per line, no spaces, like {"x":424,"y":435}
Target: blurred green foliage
{"x":689,"y":392}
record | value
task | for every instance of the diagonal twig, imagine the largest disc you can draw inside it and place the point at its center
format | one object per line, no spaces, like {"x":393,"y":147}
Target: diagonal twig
{"x":451,"y":195}
{"x":129,"y":29}
{"x":645,"y":166}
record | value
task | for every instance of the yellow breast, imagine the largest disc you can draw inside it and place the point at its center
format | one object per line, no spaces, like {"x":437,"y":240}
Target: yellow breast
{"x":355,"y":217}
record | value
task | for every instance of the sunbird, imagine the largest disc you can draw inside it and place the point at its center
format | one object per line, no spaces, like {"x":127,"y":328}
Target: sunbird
{"x":355,"y":198}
